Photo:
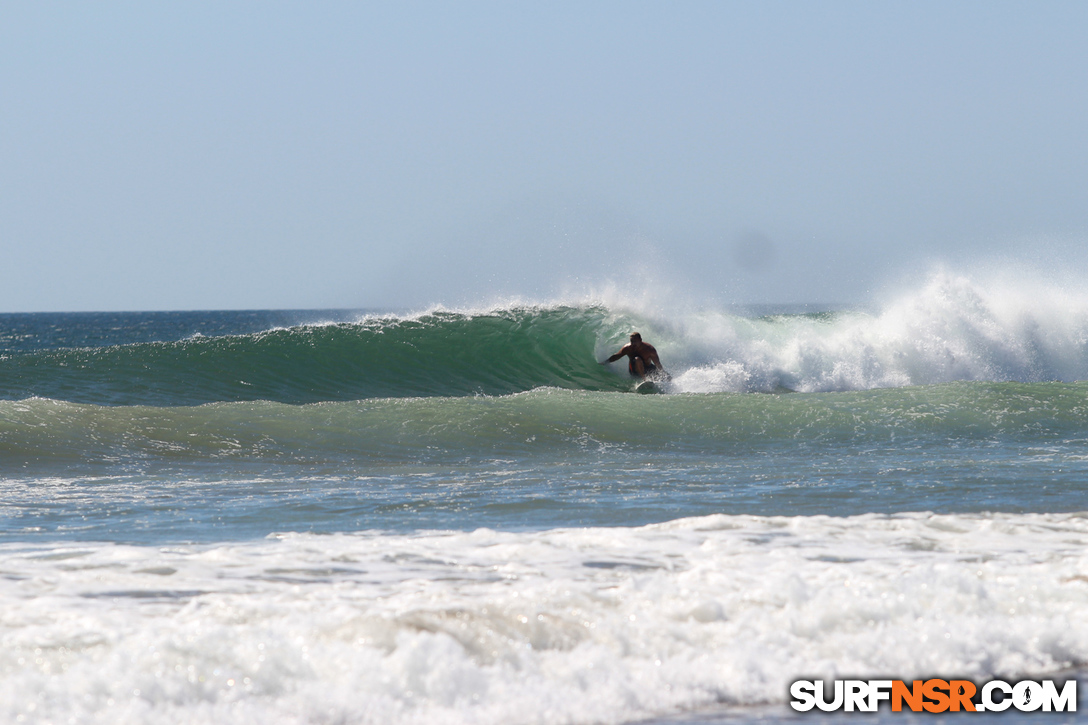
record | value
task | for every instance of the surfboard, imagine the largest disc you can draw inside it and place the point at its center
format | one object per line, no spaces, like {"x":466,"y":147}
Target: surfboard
{"x":653,"y":383}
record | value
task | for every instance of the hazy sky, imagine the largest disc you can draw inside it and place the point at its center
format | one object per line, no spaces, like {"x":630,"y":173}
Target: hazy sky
{"x":291,"y":155}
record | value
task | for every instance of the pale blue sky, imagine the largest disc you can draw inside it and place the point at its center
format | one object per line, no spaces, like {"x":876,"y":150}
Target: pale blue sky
{"x":291,"y":155}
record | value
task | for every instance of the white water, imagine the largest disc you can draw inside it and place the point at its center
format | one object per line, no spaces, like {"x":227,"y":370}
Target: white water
{"x":951,"y":328}
{"x":562,"y":626}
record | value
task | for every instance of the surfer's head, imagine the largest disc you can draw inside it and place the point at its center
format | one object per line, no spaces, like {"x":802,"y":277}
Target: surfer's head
{"x":635,"y":337}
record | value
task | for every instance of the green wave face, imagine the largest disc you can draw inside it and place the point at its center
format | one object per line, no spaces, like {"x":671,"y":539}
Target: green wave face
{"x":440,"y":354}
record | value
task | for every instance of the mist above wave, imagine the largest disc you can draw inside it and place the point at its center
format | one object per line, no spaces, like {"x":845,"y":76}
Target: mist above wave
{"x":951,"y":328}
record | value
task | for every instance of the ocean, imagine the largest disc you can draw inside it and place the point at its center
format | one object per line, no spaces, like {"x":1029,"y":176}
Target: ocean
{"x":460,"y":516}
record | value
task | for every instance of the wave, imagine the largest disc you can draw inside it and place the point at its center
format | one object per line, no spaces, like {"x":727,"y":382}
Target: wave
{"x":951,"y":328}
{"x":47,"y":437}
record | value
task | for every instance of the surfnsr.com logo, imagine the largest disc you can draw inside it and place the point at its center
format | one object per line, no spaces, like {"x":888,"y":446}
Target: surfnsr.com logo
{"x":934,"y":696}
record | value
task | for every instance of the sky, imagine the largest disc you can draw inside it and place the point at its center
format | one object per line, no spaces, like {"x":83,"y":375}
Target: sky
{"x":232,"y":155}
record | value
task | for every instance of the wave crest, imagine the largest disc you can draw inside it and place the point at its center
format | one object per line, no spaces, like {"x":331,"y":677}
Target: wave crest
{"x":950,"y":329}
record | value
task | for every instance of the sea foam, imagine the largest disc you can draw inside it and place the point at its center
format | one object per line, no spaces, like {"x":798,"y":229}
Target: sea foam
{"x":568,"y":625}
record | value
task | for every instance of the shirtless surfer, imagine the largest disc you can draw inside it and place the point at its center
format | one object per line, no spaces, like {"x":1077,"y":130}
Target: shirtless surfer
{"x":643,"y":357}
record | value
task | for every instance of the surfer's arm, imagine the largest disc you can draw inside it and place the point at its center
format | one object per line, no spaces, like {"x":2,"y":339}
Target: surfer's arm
{"x":617,"y":356}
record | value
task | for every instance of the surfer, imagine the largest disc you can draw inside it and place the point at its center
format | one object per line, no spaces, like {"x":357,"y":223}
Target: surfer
{"x":643,"y":357}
